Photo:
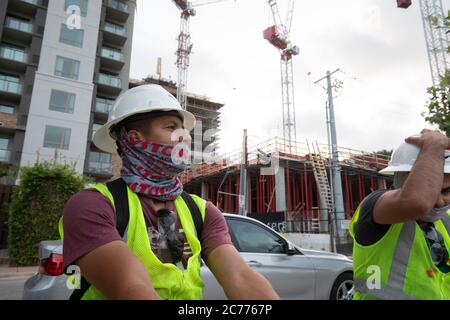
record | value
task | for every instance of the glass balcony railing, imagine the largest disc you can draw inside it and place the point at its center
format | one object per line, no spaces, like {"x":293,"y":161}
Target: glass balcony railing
{"x":108,"y":80}
{"x":10,"y":86}
{"x":112,"y":54}
{"x":13,"y":54}
{"x":100,"y":167}
{"x":116,"y":29}
{"x":103,"y":105}
{"x":35,"y":2}
{"x":117,"y":5}
{"x":19,"y":25}
{"x":4,"y":155}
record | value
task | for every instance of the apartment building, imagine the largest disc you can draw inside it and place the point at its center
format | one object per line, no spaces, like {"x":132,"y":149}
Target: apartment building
{"x":62,"y":65}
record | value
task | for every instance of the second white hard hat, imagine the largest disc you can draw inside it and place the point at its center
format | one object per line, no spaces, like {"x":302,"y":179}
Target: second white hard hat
{"x":141,"y":99}
{"x":404,"y":157}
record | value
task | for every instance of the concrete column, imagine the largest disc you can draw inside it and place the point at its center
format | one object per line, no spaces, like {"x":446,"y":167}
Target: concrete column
{"x":205,"y":190}
{"x":280,"y":190}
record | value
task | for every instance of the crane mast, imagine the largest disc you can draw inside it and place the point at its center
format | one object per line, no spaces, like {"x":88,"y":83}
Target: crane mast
{"x":436,"y":38}
{"x":185,"y":44}
{"x":279,"y":36}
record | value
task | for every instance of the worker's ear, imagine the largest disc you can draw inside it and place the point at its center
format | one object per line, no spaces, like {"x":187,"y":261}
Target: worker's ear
{"x":135,"y":135}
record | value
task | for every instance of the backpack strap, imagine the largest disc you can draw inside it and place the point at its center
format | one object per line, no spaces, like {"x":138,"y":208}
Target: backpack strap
{"x":195,"y":213}
{"x":118,"y":189}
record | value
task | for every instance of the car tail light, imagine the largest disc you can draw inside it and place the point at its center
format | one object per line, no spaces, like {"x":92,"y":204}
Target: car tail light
{"x":53,"y":265}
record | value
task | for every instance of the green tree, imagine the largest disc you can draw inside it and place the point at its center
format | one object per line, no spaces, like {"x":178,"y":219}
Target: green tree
{"x":438,"y":105}
{"x":36,"y":207}
{"x":385,"y":152}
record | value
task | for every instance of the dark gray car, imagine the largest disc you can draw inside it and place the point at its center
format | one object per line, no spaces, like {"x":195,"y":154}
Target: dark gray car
{"x":295,"y":273}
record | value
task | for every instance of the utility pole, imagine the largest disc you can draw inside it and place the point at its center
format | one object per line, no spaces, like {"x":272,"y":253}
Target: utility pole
{"x":335,"y":167}
{"x":243,"y":178}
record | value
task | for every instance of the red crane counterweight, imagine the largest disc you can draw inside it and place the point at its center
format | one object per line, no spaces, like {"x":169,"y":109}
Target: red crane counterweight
{"x":273,"y":36}
{"x":403,"y":3}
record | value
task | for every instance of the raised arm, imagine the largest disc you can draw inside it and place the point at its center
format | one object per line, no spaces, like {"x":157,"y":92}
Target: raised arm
{"x":421,"y":189}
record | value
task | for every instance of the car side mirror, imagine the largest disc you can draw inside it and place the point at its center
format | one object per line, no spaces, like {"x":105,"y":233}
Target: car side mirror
{"x":290,"y":249}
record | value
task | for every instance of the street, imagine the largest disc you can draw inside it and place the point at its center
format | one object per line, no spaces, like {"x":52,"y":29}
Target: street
{"x":11,"y":287}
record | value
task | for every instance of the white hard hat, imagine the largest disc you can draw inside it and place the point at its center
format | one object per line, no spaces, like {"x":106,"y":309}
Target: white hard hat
{"x":404,"y":157}
{"x":141,"y":99}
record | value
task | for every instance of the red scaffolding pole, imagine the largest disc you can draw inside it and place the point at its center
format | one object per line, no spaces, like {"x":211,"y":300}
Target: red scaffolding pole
{"x":361,"y":187}
{"x":373,"y":184}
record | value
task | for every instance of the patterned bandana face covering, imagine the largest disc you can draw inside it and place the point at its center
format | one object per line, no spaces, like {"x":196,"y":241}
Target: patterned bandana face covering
{"x":152,"y":168}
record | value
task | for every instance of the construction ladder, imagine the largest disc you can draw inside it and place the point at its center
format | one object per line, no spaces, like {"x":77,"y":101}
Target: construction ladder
{"x":320,"y":174}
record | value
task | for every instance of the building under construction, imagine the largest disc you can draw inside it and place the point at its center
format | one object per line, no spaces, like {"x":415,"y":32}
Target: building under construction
{"x":293,"y":199}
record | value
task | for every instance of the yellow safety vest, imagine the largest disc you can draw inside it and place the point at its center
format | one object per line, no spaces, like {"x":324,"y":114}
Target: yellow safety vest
{"x":399,"y":265}
{"x":168,"y":280}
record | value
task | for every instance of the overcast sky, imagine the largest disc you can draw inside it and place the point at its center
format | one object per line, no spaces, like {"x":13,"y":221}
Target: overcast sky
{"x":380,"y":48}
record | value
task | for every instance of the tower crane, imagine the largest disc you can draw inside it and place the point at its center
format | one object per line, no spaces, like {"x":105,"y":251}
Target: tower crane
{"x":279,"y":36}
{"x":436,"y":38}
{"x":185,"y":44}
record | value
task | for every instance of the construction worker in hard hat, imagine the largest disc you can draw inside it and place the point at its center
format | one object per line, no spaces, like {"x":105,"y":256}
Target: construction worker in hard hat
{"x":141,"y":236}
{"x":401,"y":236}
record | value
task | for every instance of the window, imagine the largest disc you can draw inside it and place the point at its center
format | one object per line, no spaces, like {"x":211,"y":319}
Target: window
{"x":103,"y":105}
{"x":56,"y":137}
{"x":115,"y":28}
{"x":6,"y":109}
{"x":95,"y":127}
{"x":73,"y":37}
{"x":4,"y":153}
{"x":10,"y":83}
{"x":67,"y":68}
{"x":19,"y":24}
{"x":253,"y":238}
{"x":100,"y":162}
{"x":109,"y":80}
{"x":112,"y":54}
{"x":11,"y":52}
{"x":82,"y":4}
{"x":62,"y":101}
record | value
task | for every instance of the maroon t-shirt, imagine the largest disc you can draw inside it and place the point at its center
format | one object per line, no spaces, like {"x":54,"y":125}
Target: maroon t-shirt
{"x":90,"y":222}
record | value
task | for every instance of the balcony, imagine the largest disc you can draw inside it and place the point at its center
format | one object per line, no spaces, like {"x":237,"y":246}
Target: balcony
{"x":100,"y":168}
{"x":112,"y":59}
{"x":102,"y":108}
{"x":18,"y":30}
{"x":27,"y":7}
{"x":5,"y":156}
{"x":13,"y":59}
{"x":103,"y":105}
{"x":8,"y":123}
{"x":117,"y":10}
{"x":111,"y":85}
{"x":114,"y":34}
{"x":10,"y":89}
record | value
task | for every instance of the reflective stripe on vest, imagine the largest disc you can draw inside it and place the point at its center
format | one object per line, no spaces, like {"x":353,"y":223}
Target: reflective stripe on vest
{"x":446,"y":221}
{"x":394,"y":288}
